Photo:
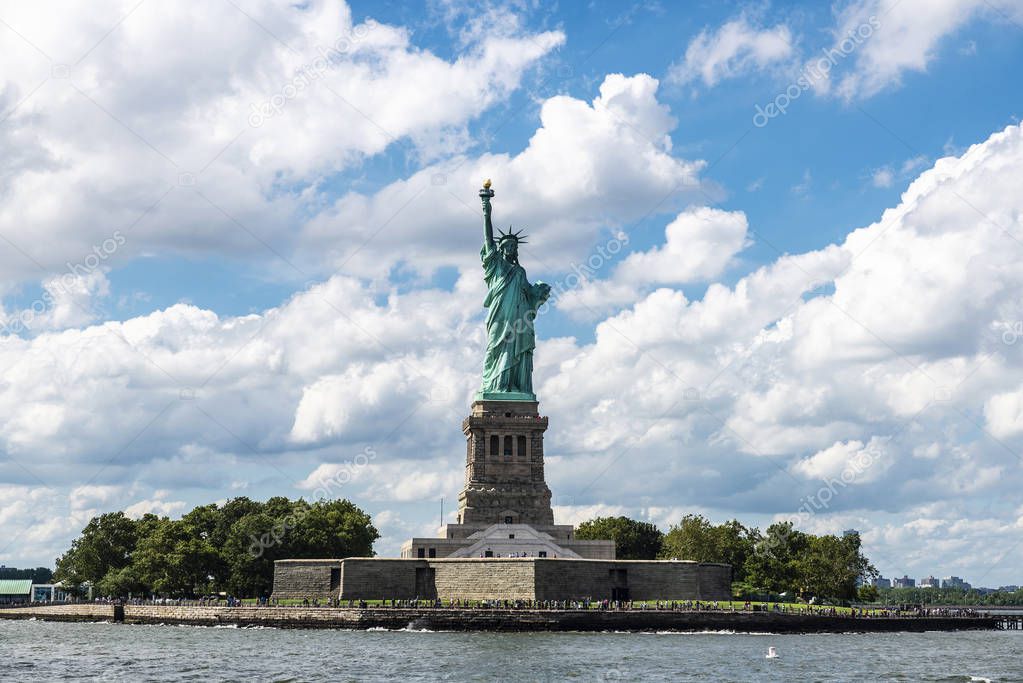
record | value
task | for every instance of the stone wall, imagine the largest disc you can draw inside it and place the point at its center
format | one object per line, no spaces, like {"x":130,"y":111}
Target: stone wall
{"x":679,"y":580}
{"x":282,"y":617}
{"x":79,"y":612}
{"x":636,"y":579}
{"x":380,"y":579}
{"x":501,"y":579}
{"x":497,"y":619}
{"x":591,"y":550}
{"x":305,"y":579}
{"x":491,"y":579}
{"x":469,"y":579}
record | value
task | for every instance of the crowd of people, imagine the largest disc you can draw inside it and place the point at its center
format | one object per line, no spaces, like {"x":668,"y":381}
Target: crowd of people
{"x":658,"y":605}
{"x":583,"y":604}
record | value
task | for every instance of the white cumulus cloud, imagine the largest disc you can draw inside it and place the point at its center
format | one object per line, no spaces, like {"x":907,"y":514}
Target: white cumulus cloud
{"x":735,"y":48}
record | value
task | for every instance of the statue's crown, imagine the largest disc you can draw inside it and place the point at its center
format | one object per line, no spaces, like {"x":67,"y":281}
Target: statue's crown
{"x":517,"y":236}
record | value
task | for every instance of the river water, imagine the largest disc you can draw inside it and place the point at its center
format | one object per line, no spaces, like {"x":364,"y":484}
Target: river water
{"x":49,"y":651}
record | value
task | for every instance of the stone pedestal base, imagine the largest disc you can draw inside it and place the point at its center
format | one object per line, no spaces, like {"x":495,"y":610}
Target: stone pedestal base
{"x":504,"y":510}
{"x":504,"y":472}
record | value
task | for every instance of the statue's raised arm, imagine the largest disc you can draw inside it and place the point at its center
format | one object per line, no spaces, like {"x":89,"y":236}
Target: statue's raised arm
{"x":488,"y":228}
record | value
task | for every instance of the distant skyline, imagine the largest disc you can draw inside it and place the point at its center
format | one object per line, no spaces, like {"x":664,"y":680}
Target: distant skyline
{"x":941,"y":579}
{"x":239,"y":246}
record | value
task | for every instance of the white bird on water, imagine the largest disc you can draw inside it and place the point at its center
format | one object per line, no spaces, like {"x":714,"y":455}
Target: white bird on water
{"x":772,"y":653}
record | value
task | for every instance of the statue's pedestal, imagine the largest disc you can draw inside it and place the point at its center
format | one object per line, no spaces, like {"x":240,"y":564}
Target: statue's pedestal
{"x":504,"y":472}
{"x":505,"y":507}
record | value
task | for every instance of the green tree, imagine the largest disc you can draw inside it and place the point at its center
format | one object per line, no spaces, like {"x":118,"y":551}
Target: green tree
{"x":175,"y":562}
{"x":787,"y":560}
{"x":106,"y":545}
{"x":212,"y":548}
{"x":234,"y":510}
{"x":634,"y":540}
{"x":867,"y":593}
{"x":249,"y":553}
{"x":37,"y":575}
{"x":773,"y":565}
{"x":691,"y":539}
{"x":203,"y":525}
{"x":695,"y":538}
{"x":735,"y":544}
{"x":829,"y":567}
{"x":122,"y":582}
{"x":949,"y":596}
{"x":336,"y":528}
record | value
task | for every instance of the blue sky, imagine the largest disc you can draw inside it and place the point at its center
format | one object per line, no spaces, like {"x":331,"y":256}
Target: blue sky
{"x":275,"y":296}
{"x":837,"y":145}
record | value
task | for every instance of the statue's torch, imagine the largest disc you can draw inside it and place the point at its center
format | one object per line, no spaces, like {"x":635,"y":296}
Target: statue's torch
{"x":486,"y":193}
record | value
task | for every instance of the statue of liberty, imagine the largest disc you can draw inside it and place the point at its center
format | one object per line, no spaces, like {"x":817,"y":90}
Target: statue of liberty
{"x":513,"y":302}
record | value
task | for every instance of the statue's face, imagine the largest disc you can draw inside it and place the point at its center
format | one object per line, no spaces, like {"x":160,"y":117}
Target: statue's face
{"x":510,"y":249}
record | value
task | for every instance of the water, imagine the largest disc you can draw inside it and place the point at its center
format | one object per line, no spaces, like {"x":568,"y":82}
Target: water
{"x":48,"y":651}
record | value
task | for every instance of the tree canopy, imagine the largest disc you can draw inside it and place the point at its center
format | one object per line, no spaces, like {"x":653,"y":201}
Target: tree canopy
{"x":37,"y":575}
{"x":695,"y":538}
{"x":780,"y":560}
{"x":634,"y":540}
{"x":213,"y":548}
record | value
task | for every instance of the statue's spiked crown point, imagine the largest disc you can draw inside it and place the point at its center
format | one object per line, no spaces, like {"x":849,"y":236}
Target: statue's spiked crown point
{"x":517,"y":236}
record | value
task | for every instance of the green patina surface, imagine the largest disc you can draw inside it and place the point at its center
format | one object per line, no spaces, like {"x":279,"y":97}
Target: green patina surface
{"x":512,"y":302}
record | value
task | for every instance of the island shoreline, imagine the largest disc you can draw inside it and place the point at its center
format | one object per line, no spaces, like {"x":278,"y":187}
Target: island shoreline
{"x":498,"y":619}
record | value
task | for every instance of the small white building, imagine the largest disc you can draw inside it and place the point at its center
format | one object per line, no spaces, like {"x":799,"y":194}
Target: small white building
{"x":49,"y":592}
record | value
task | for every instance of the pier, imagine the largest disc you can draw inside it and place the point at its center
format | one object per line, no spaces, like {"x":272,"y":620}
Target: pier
{"x":1009,"y":622}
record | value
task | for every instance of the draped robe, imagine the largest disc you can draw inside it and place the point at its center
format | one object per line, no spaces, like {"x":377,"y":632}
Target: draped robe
{"x":512,"y":304}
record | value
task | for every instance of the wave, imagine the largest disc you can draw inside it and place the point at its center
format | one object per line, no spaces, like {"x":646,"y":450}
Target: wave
{"x":710,"y":632}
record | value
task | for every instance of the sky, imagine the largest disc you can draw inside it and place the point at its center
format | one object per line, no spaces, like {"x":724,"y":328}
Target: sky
{"x":239,"y":256}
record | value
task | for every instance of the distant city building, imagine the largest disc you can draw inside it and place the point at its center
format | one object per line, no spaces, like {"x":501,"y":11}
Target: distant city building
{"x":1011,"y":588}
{"x":904,"y":582}
{"x":881,"y":582}
{"x":954,"y":582}
{"x":850,"y":532}
{"x":930,"y":582}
